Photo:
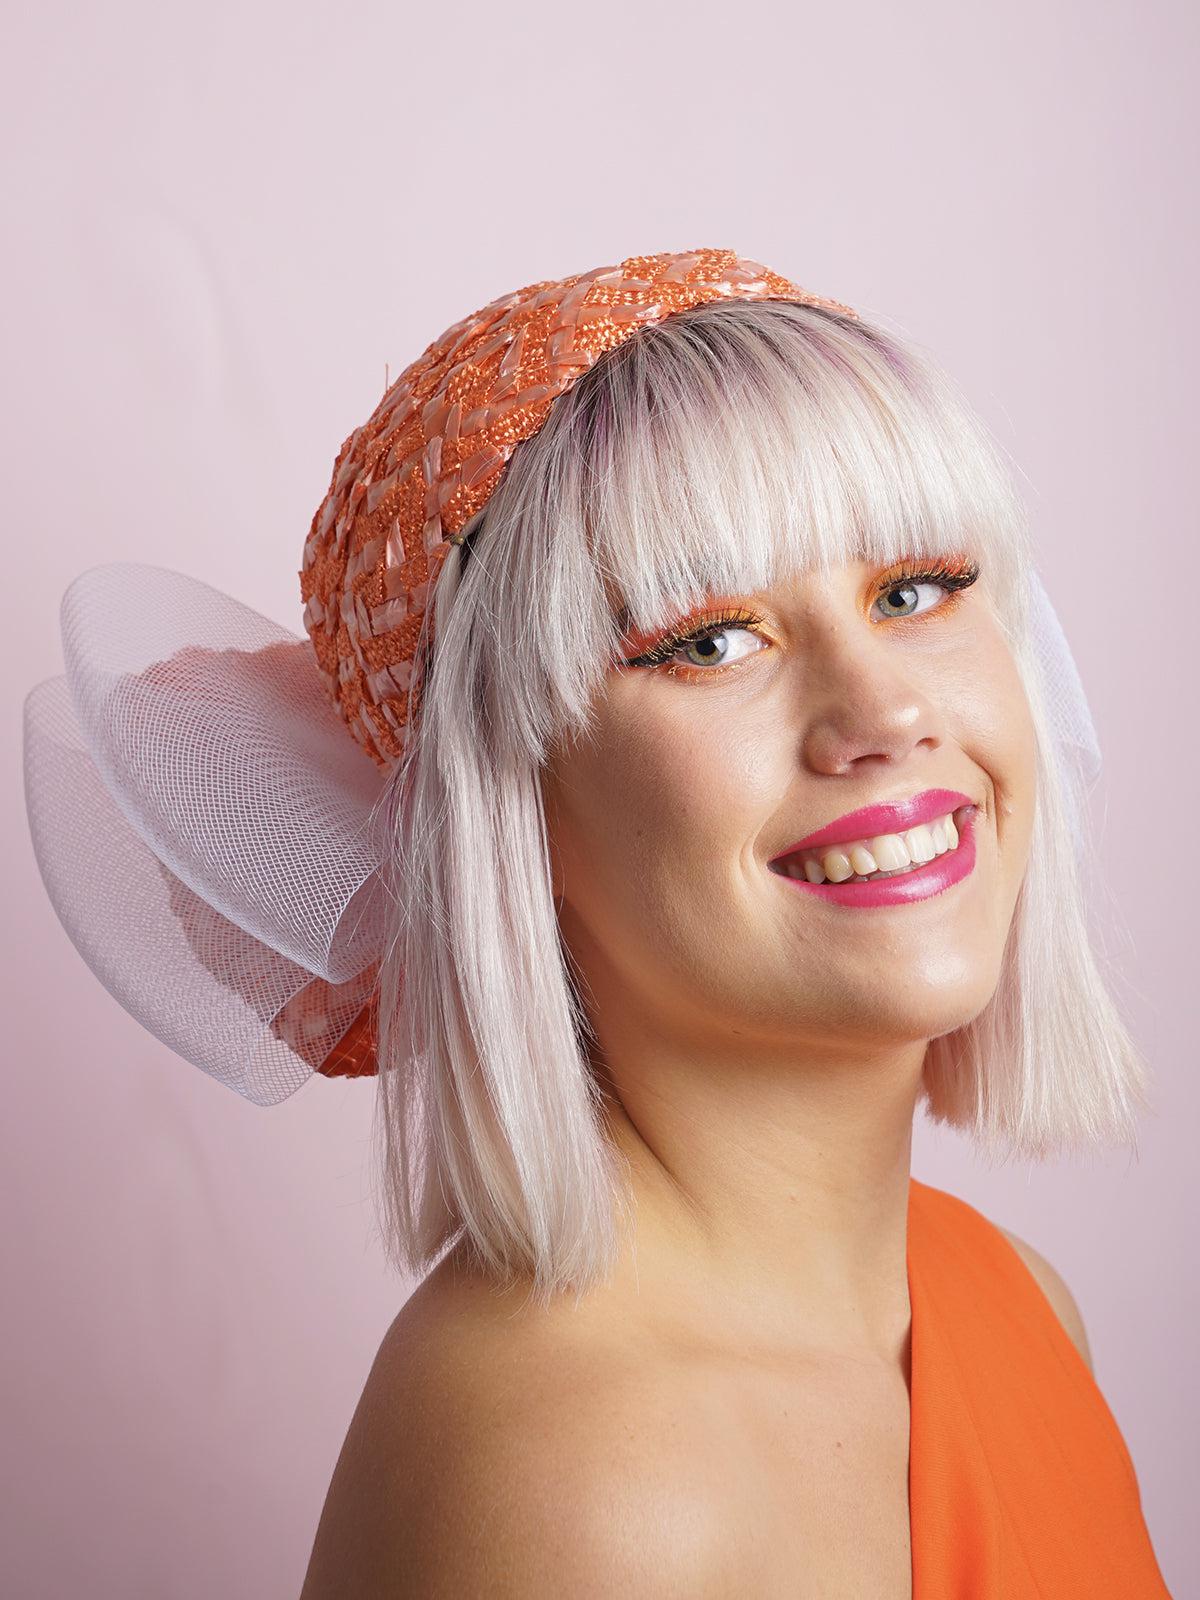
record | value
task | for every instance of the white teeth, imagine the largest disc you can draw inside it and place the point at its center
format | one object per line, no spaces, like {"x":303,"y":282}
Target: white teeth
{"x":920,"y":844}
{"x":883,"y":856}
{"x":837,"y":866}
{"x":862,"y":860}
{"x":890,"y":852}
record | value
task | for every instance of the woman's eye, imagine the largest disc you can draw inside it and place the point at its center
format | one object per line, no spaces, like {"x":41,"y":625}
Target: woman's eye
{"x":907,"y":594}
{"x":903,"y":599}
{"x":705,"y":649}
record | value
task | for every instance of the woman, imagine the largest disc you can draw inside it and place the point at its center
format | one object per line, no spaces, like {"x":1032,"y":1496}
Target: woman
{"x":727,"y":821}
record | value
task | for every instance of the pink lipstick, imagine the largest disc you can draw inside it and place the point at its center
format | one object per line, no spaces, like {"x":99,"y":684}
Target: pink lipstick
{"x":918,"y":883}
{"x":891,"y":817}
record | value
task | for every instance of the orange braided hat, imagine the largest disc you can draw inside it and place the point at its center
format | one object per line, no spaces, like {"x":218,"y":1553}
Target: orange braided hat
{"x":431,"y":453}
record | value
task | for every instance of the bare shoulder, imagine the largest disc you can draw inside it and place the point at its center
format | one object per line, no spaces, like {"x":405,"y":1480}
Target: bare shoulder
{"x":1056,"y":1291}
{"x":499,"y":1449}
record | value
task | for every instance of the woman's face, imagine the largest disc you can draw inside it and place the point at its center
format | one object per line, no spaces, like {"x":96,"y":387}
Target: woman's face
{"x":850,"y":690}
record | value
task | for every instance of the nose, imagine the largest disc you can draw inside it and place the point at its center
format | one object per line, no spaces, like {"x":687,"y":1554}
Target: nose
{"x":863,"y":701}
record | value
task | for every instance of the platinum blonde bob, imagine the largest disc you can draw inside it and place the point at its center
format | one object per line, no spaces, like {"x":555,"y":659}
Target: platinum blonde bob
{"x":715,"y":451}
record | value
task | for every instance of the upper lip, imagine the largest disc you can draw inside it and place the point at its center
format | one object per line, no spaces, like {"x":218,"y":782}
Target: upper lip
{"x":893,"y":816}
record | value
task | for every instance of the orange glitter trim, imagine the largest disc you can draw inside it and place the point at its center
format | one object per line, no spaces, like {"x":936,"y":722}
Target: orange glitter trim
{"x":428,"y":458}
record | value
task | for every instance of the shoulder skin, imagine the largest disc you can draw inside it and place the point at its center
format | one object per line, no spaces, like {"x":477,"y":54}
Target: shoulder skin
{"x":500,"y":1456}
{"x":1056,"y":1291}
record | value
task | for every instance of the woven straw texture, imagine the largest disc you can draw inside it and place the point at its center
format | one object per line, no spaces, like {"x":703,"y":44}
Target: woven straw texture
{"x":432,"y":452}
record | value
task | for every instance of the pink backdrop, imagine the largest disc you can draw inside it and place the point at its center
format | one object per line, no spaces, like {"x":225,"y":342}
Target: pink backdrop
{"x":227,"y":224}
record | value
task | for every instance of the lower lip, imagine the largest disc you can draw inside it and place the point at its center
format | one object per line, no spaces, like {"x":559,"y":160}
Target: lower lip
{"x":919,"y":884}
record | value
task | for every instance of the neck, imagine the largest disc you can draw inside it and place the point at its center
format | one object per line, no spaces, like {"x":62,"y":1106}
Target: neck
{"x":770,"y":1196}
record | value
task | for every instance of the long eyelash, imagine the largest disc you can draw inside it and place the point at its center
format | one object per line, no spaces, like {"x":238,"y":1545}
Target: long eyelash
{"x":958,"y":573}
{"x":954,"y":575}
{"x":709,"y":622}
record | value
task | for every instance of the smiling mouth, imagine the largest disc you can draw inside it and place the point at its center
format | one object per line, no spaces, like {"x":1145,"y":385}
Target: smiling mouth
{"x":886,"y":855}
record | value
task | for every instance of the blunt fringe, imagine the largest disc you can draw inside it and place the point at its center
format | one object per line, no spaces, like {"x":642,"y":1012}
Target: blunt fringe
{"x":716,"y":451}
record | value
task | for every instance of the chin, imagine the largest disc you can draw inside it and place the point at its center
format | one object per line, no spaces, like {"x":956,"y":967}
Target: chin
{"x":914,"y":1010}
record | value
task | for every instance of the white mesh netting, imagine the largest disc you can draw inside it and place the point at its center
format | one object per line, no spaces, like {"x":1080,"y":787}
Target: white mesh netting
{"x":204,"y":825}
{"x":1075,"y":746}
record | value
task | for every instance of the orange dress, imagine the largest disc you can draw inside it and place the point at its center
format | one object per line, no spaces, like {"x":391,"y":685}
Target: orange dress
{"x":1020,"y":1484}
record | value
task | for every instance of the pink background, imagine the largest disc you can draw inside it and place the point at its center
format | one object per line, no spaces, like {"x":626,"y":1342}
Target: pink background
{"x":228,"y":224}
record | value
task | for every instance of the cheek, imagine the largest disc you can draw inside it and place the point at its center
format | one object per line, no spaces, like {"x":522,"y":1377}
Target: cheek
{"x":645,"y":826}
{"x":999,"y":736}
